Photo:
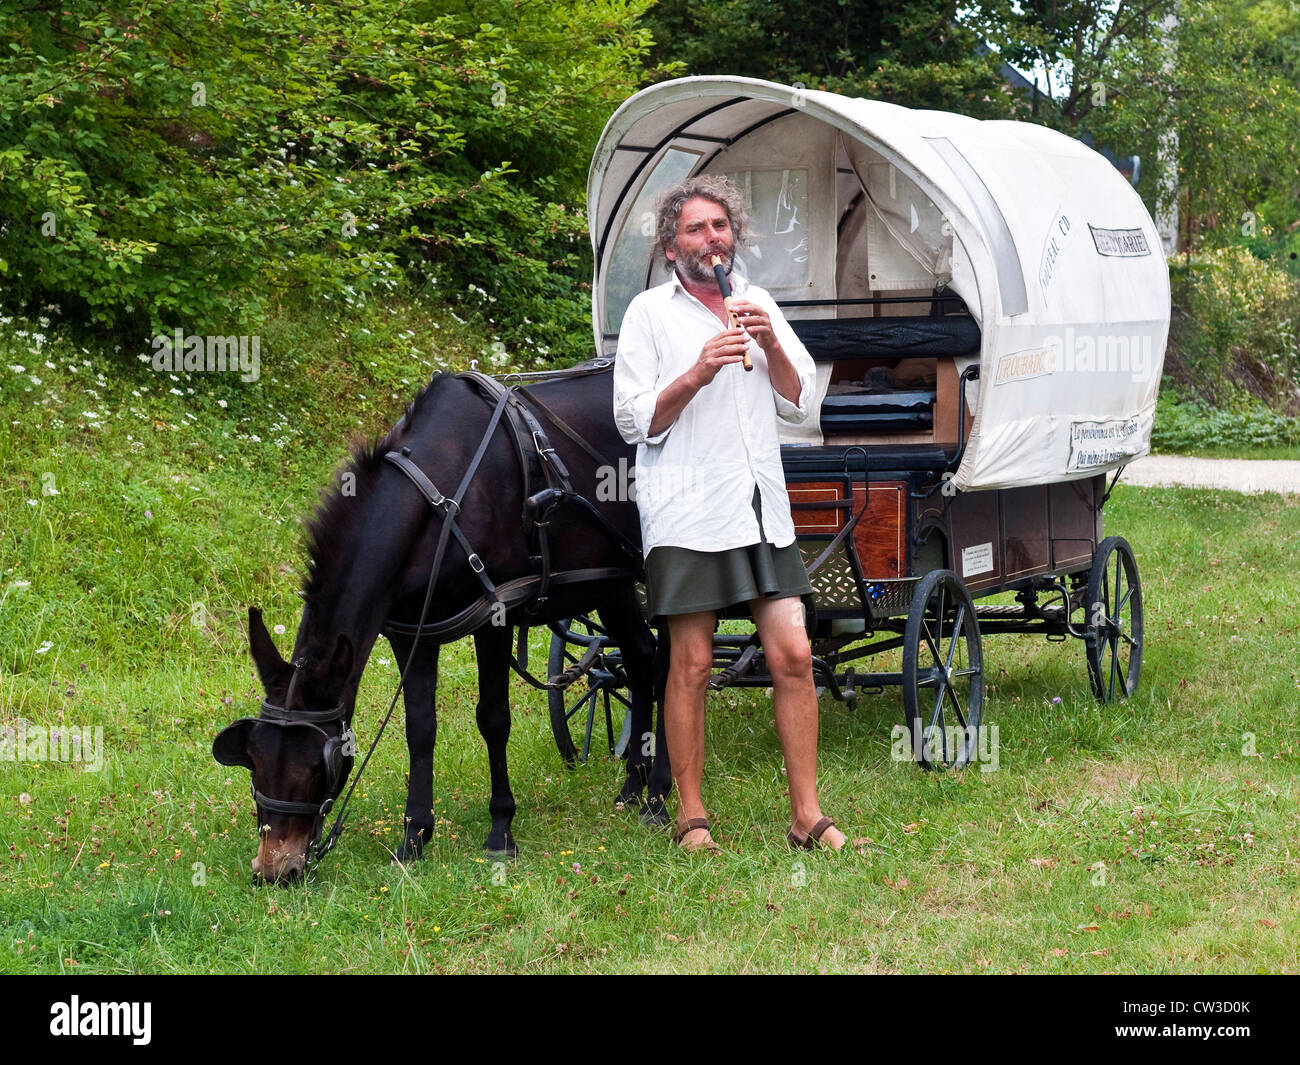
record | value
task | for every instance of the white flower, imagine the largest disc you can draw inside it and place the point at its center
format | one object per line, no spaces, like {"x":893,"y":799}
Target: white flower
{"x":46,"y":646}
{"x":32,"y":503}
{"x":278,"y":630}
{"x":16,"y":368}
{"x":89,"y":414}
{"x":20,"y":584}
{"x":221,"y":403}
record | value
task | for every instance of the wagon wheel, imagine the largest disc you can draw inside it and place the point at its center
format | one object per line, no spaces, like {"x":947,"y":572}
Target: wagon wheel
{"x":601,"y":692}
{"x":943,"y":673}
{"x":1114,"y":626}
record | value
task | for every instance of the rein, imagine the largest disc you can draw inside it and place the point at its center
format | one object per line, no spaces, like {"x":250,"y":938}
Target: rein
{"x":449,"y":509}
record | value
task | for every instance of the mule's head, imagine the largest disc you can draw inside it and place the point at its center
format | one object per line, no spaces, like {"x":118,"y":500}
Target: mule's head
{"x":299,"y":750}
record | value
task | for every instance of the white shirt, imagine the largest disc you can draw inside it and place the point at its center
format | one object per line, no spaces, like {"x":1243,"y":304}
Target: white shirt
{"x":695,"y":480}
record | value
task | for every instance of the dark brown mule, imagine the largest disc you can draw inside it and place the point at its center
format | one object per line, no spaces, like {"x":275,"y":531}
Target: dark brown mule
{"x":373,"y":542}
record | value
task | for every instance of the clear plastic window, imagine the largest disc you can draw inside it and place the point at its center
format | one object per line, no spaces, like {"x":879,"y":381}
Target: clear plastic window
{"x":630,"y":262}
{"x":777,"y":257}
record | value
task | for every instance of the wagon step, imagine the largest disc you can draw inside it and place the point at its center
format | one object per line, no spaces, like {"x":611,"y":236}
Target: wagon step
{"x":738,"y":668}
{"x":1017,"y":611}
{"x":1000,"y":611}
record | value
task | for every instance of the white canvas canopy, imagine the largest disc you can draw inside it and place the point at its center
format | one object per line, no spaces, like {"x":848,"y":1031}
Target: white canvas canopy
{"x":1054,"y":254}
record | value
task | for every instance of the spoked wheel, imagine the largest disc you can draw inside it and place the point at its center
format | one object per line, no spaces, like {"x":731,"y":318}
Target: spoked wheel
{"x":943,"y":673}
{"x":602,"y":691}
{"x":1114,"y":629}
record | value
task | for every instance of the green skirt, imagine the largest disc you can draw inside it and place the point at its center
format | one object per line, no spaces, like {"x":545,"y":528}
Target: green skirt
{"x":682,"y":581}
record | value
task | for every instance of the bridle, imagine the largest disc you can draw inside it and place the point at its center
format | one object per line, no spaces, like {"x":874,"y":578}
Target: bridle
{"x":338,"y":756}
{"x":338,"y":752}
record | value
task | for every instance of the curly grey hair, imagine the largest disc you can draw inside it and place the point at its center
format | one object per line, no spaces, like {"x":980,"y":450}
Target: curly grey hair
{"x":714,"y":187}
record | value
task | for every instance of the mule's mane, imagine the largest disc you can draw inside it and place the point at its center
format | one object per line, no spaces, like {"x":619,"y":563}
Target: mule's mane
{"x":329,"y":525}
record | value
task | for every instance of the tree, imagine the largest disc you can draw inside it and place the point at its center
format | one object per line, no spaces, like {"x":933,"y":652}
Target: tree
{"x":1226,"y":85}
{"x":184,"y":163}
{"x":912,"y":53}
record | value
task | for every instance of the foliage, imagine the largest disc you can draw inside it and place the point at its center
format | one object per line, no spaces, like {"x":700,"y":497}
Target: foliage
{"x":1186,"y":427}
{"x":1237,"y":323}
{"x":1219,"y":95}
{"x":915,"y":54}
{"x":174,"y":163}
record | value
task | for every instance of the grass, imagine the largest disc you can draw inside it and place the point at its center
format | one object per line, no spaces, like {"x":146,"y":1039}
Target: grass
{"x":1228,"y":451}
{"x":1151,"y":836}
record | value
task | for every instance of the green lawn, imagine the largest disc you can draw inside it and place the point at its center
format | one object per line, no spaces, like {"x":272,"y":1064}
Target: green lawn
{"x":1153,"y":836}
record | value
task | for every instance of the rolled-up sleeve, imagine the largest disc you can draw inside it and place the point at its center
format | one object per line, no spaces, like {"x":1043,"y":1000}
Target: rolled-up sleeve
{"x":794,"y":413}
{"x":636,"y":379}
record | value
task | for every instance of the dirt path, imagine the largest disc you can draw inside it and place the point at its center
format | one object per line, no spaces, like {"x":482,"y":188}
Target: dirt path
{"x":1237,"y":475}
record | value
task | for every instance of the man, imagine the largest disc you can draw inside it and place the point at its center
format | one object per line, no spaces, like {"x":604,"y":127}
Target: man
{"x":715,"y":517}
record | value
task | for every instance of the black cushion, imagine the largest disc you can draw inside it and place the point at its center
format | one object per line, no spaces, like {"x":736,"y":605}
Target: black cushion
{"x":843,"y":338}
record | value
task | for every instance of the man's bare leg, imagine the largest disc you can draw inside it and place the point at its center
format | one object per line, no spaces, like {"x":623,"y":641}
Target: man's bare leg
{"x":689,"y":664}
{"x":794,"y":697}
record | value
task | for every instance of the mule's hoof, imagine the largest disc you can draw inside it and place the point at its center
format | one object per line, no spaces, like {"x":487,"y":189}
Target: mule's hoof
{"x":653,"y":814}
{"x":412,"y":848}
{"x":494,"y":851}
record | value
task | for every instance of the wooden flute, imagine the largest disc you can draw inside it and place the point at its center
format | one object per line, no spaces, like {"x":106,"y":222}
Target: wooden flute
{"x":720,"y":274}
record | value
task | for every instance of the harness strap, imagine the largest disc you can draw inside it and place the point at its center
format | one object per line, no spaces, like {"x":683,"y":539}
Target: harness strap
{"x":271,"y":712}
{"x":512,"y":593}
{"x":297,"y":809}
{"x":566,"y":429}
{"x":561,"y":680}
{"x":546,"y":501}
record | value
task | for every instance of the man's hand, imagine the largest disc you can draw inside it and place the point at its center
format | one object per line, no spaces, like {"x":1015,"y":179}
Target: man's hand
{"x":756,"y":322}
{"x":727,"y":347}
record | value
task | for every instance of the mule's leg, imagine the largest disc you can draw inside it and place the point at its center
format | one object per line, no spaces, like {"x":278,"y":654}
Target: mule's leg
{"x":421,"y":734}
{"x":492,"y":649}
{"x":621,"y":615}
{"x":661,"y":771}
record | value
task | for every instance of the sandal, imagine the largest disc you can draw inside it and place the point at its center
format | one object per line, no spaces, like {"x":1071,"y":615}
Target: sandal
{"x":814,"y":837}
{"x":692,"y":825}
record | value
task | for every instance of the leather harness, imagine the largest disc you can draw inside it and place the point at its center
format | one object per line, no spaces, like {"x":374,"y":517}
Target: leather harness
{"x":547,"y":487}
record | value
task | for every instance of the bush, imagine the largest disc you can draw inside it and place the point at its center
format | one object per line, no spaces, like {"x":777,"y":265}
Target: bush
{"x":1237,"y":326}
{"x":1186,"y":426}
{"x":180,"y":164}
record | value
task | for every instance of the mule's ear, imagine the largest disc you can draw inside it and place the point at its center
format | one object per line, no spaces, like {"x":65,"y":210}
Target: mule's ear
{"x":270,"y":666}
{"x":340,"y":664}
{"x":231,"y":745}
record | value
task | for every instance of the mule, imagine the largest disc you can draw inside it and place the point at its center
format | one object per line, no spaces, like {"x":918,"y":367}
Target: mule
{"x":372,"y":544}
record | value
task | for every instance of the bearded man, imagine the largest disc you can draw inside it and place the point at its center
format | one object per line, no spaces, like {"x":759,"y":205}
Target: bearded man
{"x":715,"y":516}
